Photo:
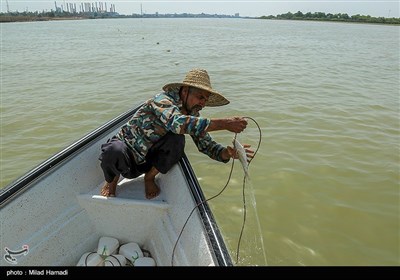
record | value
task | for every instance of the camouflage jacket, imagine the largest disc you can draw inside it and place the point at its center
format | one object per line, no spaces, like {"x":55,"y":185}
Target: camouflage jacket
{"x":162,"y":114}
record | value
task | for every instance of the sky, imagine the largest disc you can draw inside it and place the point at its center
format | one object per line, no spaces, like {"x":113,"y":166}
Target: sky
{"x":377,"y":8}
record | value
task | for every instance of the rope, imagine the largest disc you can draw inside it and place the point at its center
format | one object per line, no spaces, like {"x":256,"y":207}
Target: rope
{"x":222,"y":190}
{"x":243,"y":193}
{"x":194,"y":208}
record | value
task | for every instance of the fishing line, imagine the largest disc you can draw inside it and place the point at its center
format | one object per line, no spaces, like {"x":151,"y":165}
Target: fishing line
{"x":244,"y":196}
{"x":222,"y":190}
{"x":194,"y":208}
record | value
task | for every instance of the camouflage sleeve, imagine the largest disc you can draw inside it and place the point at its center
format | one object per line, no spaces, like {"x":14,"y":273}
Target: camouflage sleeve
{"x":176,"y":122}
{"x":208,"y":146}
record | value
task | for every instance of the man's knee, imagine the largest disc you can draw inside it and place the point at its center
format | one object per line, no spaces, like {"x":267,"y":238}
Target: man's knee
{"x":111,"y":150}
{"x":167,"y":152}
{"x":180,"y":140}
{"x":175,"y":141}
{"x":180,"y":144}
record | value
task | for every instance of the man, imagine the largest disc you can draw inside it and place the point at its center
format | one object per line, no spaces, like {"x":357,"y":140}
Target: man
{"x":153,"y":139}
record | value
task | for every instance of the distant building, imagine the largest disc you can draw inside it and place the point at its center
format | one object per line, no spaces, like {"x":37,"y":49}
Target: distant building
{"x":86,"y":7}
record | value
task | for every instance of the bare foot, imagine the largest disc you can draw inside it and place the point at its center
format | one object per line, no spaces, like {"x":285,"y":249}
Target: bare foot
{"x":106,"y":190}
{"x":151,"y":189}
{"x":109,"y":188}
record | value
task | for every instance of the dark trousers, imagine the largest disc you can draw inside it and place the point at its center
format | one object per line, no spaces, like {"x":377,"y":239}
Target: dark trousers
{"x":117,"y":158}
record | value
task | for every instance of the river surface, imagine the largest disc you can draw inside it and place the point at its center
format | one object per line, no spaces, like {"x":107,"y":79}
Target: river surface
{"x":324,"y":184}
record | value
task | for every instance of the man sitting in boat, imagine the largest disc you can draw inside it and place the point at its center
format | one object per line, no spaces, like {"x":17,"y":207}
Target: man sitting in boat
{"x":153,"y":139}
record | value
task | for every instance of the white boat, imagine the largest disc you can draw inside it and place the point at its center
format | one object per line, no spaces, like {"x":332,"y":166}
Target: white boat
{"x":54,"y":214}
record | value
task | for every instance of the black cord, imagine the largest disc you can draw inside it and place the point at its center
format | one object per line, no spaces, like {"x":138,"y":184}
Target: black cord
{"x":86,"y":259}
{"x":194,"y":208}
{"x":114,"y":258}
{"x":229,"y":178}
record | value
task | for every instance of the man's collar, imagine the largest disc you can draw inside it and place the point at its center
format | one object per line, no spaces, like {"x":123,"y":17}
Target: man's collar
{"x":177,"y":99}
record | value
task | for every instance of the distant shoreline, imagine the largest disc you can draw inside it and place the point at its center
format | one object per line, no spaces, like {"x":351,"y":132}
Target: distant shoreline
{"x":6,"y":18}
{"x":336,"y":21}
{"x":319,"y":16}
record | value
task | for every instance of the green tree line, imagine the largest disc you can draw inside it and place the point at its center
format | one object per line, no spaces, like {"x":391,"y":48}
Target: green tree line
{"x":320,"y":16}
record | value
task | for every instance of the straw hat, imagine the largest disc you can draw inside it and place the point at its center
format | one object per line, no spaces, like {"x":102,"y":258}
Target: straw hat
{"x":199,"y":78}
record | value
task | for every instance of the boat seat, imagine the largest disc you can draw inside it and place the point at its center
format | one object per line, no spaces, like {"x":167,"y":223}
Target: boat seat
{"x":129,"y":216}
{"x":129,"y":192}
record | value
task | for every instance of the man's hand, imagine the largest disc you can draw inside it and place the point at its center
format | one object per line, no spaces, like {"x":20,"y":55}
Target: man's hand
{"x":230,"y":152}
{"x":232,"y":124}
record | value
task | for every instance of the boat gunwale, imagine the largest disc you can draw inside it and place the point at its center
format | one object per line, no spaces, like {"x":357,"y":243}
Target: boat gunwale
{"x":24,"y":182}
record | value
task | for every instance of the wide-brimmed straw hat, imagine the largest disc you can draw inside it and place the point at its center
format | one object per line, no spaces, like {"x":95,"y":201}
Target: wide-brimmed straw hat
{"x":199,"y":78}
